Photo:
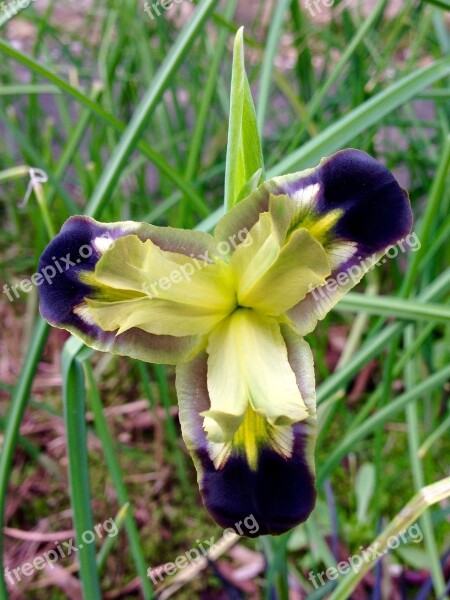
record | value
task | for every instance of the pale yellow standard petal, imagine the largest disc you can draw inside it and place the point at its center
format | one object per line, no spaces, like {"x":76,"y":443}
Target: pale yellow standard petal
{"x":256,"y":255}
{"x":301,"y":266}
{"x":248,"y":363}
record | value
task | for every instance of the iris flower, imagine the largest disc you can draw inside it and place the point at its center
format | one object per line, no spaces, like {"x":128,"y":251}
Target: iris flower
{"x":231,"y":310}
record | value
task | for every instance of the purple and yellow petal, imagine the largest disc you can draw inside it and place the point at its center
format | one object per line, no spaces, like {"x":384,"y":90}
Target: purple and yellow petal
{"x":348,"y":197}
{"x":266,"y":470}
{"x":67,"y":267}
{"x":351,"y":204}
{"x":232,"y":320}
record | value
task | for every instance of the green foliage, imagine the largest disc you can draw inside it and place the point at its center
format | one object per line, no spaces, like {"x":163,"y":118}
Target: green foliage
{"x":244,"y":167}
{"x":128,"y":118}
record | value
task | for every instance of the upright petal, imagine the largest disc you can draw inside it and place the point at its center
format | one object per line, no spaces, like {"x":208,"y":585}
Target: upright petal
{"x":266,"y":471}
{"x":301,"y":264}
{"x":256,"y":254}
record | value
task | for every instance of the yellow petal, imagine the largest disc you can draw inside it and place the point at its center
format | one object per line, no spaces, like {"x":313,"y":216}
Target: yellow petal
{"x":248,"y":363}
{"x":256,"y":255}
{"x":161,"y":317}
{"x":139,"y":285}
{"x":143,"y":267}
{"x":301,"y":266}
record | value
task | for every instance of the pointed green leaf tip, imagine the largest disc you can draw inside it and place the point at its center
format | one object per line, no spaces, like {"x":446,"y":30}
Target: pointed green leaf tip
{"x":244,"y":154}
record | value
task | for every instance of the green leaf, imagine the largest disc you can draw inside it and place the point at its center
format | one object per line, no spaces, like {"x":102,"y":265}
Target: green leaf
{"x":244,"y":154}
{"x":14,"y":419}
{"x":426,"y":497}
{"x":364,"y":488}
{"x":337,"y":135}
{"x":250,"y":186}
{"x":444,"y":4}
{"x":115,"y":472}
{"x":374,"y":344}
{"x":394,"y":307}
{"x":270,"y":53}
{"x":414,"y":557}
{"x":80,"y":493}
{"x":378,"y":419}
{"x":140,"y":119}
{"x":94,"y":209}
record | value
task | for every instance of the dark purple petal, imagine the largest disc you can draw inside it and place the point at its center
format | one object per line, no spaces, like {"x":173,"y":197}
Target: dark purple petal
{"x":280,"y":492}
{"x":75,"y":251}
{"x":377,"y":212}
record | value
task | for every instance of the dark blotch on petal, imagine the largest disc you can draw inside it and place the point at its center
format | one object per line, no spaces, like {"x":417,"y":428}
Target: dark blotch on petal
{"x":377,"y":211}
{"x":69,"y":253}
{"x":279,"y":495}
{"x":73,"y":251}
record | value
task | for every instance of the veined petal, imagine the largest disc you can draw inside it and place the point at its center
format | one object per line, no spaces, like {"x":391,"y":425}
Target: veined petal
{"x":74,"y":253}
{"x":144,"y":268}
{"x":301,"y":266}
{"x":164,"y":293}
{"x":254,"y":257}
{"x":266,"y":471}
{"x":350,"y":203}
{"x":248,"y":365}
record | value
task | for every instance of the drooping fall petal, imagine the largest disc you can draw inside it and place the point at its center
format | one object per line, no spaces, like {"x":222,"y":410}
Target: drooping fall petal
{"x":72,"y":256}
{"x":248,"y":367}
{"x":350,"y":203}
{"x":266,"y":470}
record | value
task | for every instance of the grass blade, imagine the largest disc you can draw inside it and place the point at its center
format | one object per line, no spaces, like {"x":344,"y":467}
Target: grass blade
{"x":265,"y":81}
{"x":77,"y":453}
{"x":143,"y":112}
{"x":425,"y":498}
{"x":116,"y":475}
{"x":14,"y":419}
{"x":84,"y":99}
{"x":358,"y":120}
{"x":379,"y":418}
{"x":399,"y":308}
{"x":412,"y":420}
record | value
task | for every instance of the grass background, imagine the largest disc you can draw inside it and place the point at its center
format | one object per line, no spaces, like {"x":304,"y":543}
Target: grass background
{"x":127,"y":116}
